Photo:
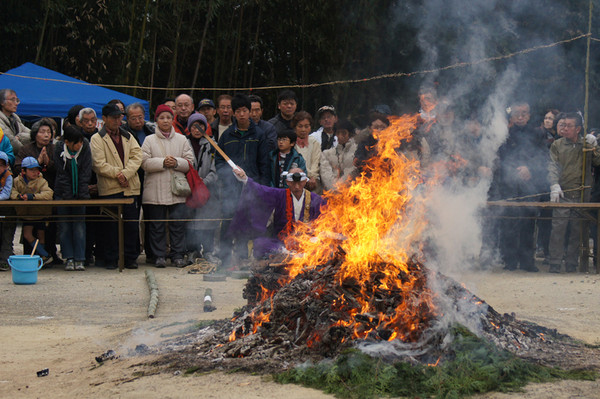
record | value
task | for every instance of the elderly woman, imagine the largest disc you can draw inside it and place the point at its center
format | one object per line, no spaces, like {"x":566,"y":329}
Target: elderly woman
{"x":201,"y":233}
{"x":41,"y":148}
{"x":309,"y":148}
{"x":10,"y":123}
{"x":163,"y":154}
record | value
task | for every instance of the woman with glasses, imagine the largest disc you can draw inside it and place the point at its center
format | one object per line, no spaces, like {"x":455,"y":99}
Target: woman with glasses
{"x":10,"y":123}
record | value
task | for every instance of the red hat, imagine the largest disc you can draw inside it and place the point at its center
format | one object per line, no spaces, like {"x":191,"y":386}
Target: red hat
{"x":162,"y":108}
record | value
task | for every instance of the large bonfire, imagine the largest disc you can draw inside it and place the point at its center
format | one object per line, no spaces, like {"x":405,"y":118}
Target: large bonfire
{"x":355,"y":278}
{"x":356,"y":261}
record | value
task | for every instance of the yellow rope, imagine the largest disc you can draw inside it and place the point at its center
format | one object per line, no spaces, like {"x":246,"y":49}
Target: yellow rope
{"x":332,"y":83}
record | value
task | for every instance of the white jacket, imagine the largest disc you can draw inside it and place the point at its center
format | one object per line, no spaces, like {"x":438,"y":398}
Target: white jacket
{"x":337,"y":164}
{"x":157,"y":180}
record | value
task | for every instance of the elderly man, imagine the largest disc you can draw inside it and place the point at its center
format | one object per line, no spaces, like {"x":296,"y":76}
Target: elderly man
{"x":87,"y":122}
{"x":117,"y":156}
{"x":136,"y":124}
{"x":206,"y":107}
{"x":184,"y":107}
{"x":10,"y":123}
{"x":289,"y":207}
{"x":325,"y":135}
{"x":225,"y":116}
{"x":565,"y":176}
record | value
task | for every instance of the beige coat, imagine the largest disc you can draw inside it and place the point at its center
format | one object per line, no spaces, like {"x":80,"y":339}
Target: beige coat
{"x":107,"y":163}
{"x":40,"y":190}
{"x":157,"y":180}
{"x":337,"y":164}
{"x":16,"y":140}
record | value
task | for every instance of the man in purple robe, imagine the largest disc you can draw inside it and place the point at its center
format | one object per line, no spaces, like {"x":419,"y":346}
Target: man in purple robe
{"x":288,"y":206}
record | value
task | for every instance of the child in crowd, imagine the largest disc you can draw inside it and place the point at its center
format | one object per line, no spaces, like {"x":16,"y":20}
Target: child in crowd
{"x":29,"y":186}
{"x":284,"y":158}
{"x":73,"y":159}
{"x":8,"y":225}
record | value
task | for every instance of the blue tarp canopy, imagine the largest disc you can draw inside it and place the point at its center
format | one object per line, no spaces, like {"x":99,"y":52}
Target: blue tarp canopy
{"x":54,"y":98}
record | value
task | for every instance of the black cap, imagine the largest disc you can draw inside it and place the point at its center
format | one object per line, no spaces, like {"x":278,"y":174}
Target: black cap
{"x":111,"y":110}
{"x":74,"y":112}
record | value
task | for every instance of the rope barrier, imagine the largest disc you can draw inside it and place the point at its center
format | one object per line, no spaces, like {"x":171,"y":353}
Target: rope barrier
{"x":331,"y":83}
{"x":541,"y":194}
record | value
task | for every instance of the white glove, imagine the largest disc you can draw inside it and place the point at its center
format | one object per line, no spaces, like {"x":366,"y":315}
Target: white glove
{"x":240,"y":175}
{"x":556,"y":193}
{"x":591,"y":140}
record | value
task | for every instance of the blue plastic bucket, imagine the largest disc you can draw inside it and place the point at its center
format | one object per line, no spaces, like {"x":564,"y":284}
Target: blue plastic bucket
{"x":24,"y":268}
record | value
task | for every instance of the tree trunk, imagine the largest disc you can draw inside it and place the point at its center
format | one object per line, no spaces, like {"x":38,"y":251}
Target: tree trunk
{"x":256,"y":35}
{"x":202,"y":41}
{"x":238,"y":44}
{"x":141,"y":47}
{"x":43,"y":31}
{"x":153,"y":60}
{"x":173,"y":71}
{"x":127,"y":63}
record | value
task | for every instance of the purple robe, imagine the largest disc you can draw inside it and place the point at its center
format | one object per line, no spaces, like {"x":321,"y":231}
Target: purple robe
{"x":254,"y":209}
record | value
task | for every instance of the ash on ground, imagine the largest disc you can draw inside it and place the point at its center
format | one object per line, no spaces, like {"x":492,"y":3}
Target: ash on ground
{"x":304,"y":325}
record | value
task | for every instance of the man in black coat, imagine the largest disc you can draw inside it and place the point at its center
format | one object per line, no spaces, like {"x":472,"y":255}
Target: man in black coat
{"x":520,"y":171}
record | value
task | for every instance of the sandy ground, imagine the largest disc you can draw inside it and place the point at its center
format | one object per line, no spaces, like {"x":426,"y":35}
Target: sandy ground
{"x":67,"y":318}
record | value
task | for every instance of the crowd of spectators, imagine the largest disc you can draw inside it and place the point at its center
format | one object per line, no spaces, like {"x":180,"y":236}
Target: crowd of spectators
{"x":275,"y":163}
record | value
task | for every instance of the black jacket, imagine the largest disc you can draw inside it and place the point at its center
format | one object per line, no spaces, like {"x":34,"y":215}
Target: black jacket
{"x":63,"y":185}
{"x":148,"y":129}
{"x":279,"y":123}
{"x":249,"y":151}
{"x":524,"y":146}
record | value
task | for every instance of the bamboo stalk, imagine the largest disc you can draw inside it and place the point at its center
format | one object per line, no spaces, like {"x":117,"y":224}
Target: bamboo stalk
{"x":35,"y":247}
{"x":225,"y":157}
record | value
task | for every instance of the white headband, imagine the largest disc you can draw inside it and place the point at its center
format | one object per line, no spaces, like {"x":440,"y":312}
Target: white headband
{"x":297,"y":176}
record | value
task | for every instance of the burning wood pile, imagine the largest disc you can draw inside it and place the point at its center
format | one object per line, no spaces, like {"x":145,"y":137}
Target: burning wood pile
{"x":352,"y":279}
{"x":324,"y":314}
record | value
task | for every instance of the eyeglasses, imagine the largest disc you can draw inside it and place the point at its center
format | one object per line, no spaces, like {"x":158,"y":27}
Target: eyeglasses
{"x":566,"y":126}
{"x":136,"y":118}
{"x":14,"y":100}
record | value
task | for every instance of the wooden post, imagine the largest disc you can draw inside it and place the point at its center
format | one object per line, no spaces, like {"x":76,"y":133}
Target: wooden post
{"x":584,"y":253}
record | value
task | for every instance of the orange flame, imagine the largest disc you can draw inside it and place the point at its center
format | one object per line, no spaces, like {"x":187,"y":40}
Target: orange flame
{"x":376,"y":223}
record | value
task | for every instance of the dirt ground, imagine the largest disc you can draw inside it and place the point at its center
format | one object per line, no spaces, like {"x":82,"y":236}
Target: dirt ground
{"x":68,"y":318}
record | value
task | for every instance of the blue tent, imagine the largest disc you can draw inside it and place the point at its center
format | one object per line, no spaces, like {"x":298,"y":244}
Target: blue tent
{"x":54,"y":98}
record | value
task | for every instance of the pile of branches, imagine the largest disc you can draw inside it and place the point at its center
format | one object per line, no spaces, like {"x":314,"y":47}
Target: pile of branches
{"x":307,"y":307}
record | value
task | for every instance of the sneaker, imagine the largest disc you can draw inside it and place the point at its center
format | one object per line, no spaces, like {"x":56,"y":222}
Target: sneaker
{"x":179,"y":263}
{"x":70,"y":266}
{"x":79,"y":265}
{"x":4,"y":267}
{"x":161,"y":262}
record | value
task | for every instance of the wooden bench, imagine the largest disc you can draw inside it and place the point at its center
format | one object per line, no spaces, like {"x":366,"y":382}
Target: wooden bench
{"x":107,"y":207}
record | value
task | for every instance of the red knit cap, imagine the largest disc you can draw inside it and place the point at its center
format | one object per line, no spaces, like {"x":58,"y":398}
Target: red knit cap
{"x":162,"y":108}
